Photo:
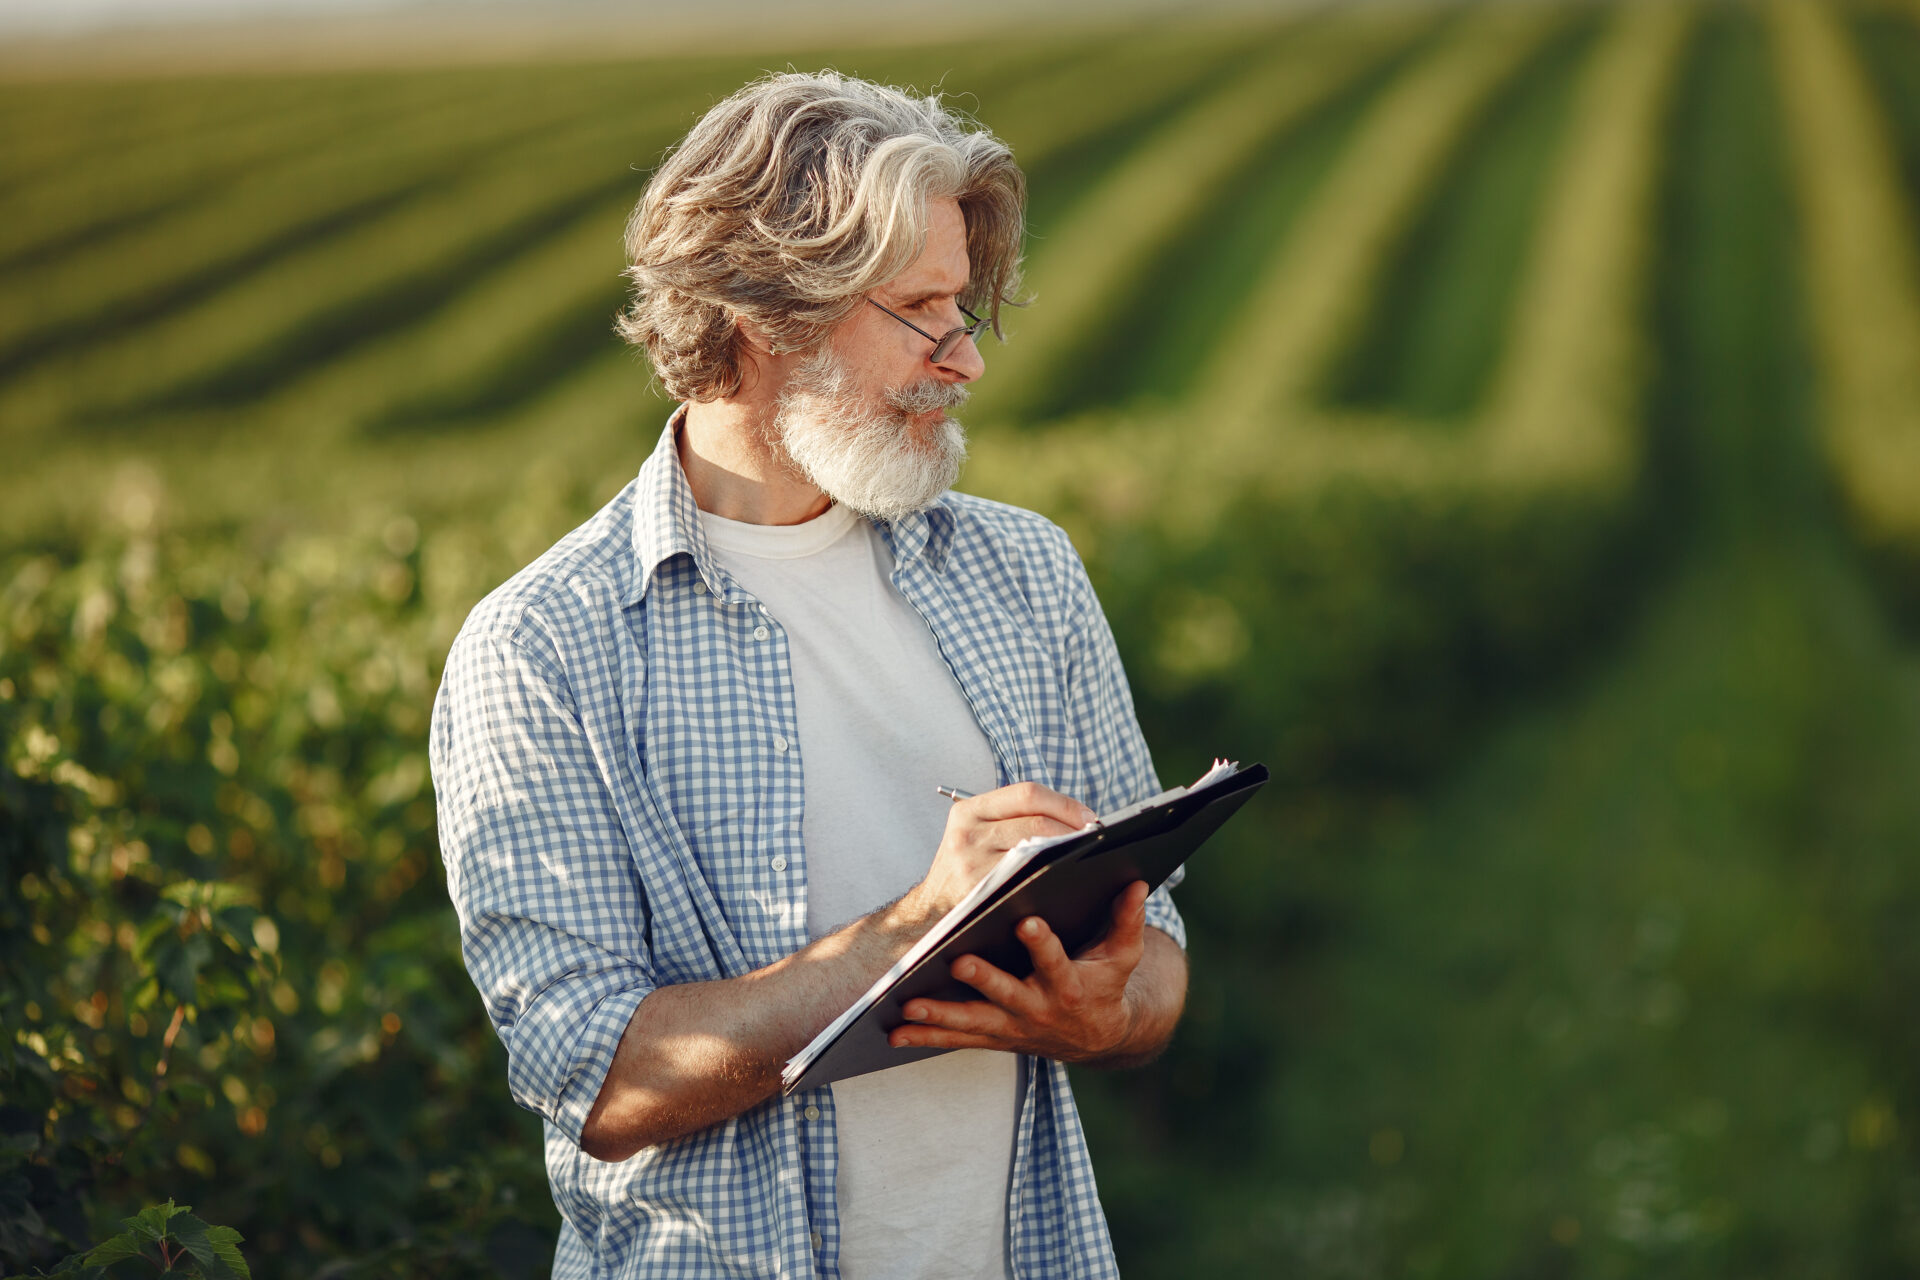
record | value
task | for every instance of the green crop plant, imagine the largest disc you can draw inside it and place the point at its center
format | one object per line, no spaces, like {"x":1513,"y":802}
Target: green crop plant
{"x":139,"y":180}
{"x":308,"y":258}
{"x":1435,"y":328}
{"x":1081,"y":274}
{"x":242,"y":338}
{"x":1051,"y":109}
{"x":1329,"y":265}
{"x":566,"y":282}
{"x":525,"y":324}
{"x":1863,"y":276}
{"x":1494,"y":537}
{"x":208,"y":753}
{"x":191,"y":247}
{"x":1560,"y":407}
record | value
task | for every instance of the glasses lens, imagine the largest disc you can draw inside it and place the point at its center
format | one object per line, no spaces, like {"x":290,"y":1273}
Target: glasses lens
{"x":951,"y":338}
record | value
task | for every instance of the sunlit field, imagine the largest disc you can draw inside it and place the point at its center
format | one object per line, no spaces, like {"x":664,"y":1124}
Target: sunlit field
{"x":1502,"y":420}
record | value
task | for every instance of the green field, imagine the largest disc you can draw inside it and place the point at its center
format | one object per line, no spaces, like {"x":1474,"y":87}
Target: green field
{"x":1503,"y":420}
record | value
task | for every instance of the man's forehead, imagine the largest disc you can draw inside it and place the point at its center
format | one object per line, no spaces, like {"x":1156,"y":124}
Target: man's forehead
{"x":943,"y":269}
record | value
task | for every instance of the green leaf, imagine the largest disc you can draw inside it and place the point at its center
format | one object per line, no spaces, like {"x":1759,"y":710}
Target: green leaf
{"x":216,"y":1249}
{"x":113,"y":1249}
{"x":213,"y":894}
{"x":236,"y":925}
{"x":151,"y":1222}
{"x":150,"y":932}
{"x":174,"y":965}
{"x":73,"y":1267}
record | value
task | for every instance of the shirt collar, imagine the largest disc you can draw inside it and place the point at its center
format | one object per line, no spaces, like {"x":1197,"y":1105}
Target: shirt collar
{"x":666,"y":523}
{"x":666,"y":520}
{"x":927,"y":534}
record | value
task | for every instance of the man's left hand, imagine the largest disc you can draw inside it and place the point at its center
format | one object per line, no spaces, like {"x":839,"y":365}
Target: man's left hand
{"x":1105,"y":1006}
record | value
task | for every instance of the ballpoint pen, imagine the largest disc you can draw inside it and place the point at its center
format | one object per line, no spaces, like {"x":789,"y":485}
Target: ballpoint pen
{"x":954,"y":793}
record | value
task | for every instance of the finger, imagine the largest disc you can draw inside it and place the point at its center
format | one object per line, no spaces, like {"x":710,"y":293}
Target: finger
{"x":977,"y":1017}
{"x":1050,"y":960}
{"x":1026,"y":799}
{"x":1128,"y":932}
{"x":1005,"y":833}
{"x":918,"y":1037}
{"x":997,"y":985}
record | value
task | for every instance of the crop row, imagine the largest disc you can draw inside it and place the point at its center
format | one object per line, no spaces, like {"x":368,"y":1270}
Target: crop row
{"x":256,"y":292}
{"x":1435,"y":328}
{"x":344,"y":289}
{"x":107,"y":182}
{"x":545,"y":317}
{"x":1329,"y":268}
{"x":154,"y":267}
{"x":1862,"y":272}
{"x":1289,"y":559}
{"x":1561,"y":403}
{"x":1161,"y":185}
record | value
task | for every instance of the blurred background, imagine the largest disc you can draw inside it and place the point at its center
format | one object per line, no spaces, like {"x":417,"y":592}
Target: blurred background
{"x":1503,"y":419}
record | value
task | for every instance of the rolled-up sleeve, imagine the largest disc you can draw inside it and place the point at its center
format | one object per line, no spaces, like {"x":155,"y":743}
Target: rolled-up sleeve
{"x":1100,"y":707}
{"x":553,"y":919}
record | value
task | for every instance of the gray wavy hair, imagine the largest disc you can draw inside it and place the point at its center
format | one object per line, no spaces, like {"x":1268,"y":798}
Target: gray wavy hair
{"x":788,"y":202}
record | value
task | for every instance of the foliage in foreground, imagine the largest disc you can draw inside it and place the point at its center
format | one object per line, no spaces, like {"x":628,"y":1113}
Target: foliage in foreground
{"x":169,"y":1239}
{"x":226,"y":967}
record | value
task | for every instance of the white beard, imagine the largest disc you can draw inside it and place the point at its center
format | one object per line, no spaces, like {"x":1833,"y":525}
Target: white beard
{"x":865,"y":456}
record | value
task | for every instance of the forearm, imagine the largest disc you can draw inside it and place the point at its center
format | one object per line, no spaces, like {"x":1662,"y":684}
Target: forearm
{"x":697,"y":1053}
{"x":1156,"y":995}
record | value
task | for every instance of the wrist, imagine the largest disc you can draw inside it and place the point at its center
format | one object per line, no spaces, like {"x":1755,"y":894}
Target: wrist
{"x":1132,"y":1016}
{"x":911,"y":914}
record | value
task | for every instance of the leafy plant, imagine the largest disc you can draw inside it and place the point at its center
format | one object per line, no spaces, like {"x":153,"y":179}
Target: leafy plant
{"x":168,"y":1238}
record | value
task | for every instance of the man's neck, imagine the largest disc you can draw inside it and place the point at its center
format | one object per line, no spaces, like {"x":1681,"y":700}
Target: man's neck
{"x":737,"y":472}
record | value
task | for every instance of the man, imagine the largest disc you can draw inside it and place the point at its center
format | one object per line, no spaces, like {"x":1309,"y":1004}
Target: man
{"x":687,"y":760}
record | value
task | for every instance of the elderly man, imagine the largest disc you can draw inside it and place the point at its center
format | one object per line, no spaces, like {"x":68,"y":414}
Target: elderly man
{"x":687,"y":759}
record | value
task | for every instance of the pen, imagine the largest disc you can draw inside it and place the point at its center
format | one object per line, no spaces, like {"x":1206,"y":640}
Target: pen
{"x":954,"y":793}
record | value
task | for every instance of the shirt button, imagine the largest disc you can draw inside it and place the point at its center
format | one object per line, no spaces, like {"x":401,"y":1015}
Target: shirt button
{"x":699,"y":588}
{"x":780,"y":743}
{"x":815,"y":1237}
{"x":761,"y":633}
{"x":779,"y":862}
{"x":812,"y":1112}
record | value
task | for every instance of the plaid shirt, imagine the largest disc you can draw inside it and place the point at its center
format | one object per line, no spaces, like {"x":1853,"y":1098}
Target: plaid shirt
{"x":618,"y":766}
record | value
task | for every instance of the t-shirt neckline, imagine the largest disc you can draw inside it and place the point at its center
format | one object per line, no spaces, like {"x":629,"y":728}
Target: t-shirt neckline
{"x":779,"y":541}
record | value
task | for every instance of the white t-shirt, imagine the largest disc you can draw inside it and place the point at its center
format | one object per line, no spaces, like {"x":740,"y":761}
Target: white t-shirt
{"x":925,"y":1148}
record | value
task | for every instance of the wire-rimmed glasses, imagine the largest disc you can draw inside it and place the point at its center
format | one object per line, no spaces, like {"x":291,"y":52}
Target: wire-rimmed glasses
{"x":944,"y":344}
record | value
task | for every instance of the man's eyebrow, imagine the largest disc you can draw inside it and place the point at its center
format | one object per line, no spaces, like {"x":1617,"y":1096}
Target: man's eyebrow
{"x":928,"y":295}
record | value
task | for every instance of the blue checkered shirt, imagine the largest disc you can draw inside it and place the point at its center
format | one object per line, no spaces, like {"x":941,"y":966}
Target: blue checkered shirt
{"x":617,"y":814}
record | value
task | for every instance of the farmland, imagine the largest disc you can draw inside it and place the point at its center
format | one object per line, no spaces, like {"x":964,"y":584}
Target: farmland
{"x":1504,"y":420}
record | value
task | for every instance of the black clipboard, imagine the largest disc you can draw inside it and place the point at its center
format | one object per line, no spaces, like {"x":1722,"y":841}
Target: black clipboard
{"x":1072,"y":888}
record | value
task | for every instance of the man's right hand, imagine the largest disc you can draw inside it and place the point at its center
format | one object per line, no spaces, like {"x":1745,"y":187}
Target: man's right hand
{"x":696,"y":1053}
{"x":980,"y":829}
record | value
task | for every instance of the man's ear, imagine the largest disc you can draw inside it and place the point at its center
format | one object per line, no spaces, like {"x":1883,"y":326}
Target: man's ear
{"x":757,"y":342}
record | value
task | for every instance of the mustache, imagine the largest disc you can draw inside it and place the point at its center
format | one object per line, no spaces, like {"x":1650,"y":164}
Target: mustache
{"x":927,"y":395}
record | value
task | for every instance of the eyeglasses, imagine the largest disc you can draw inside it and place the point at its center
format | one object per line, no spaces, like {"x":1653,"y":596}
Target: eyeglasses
{"x":944,"y":344}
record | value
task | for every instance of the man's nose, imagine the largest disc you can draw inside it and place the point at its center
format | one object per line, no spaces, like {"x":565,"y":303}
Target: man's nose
{"x":965,"y":360}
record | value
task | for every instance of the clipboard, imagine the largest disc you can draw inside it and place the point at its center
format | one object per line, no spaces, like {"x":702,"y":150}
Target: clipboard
{"x":1070,"y":882}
